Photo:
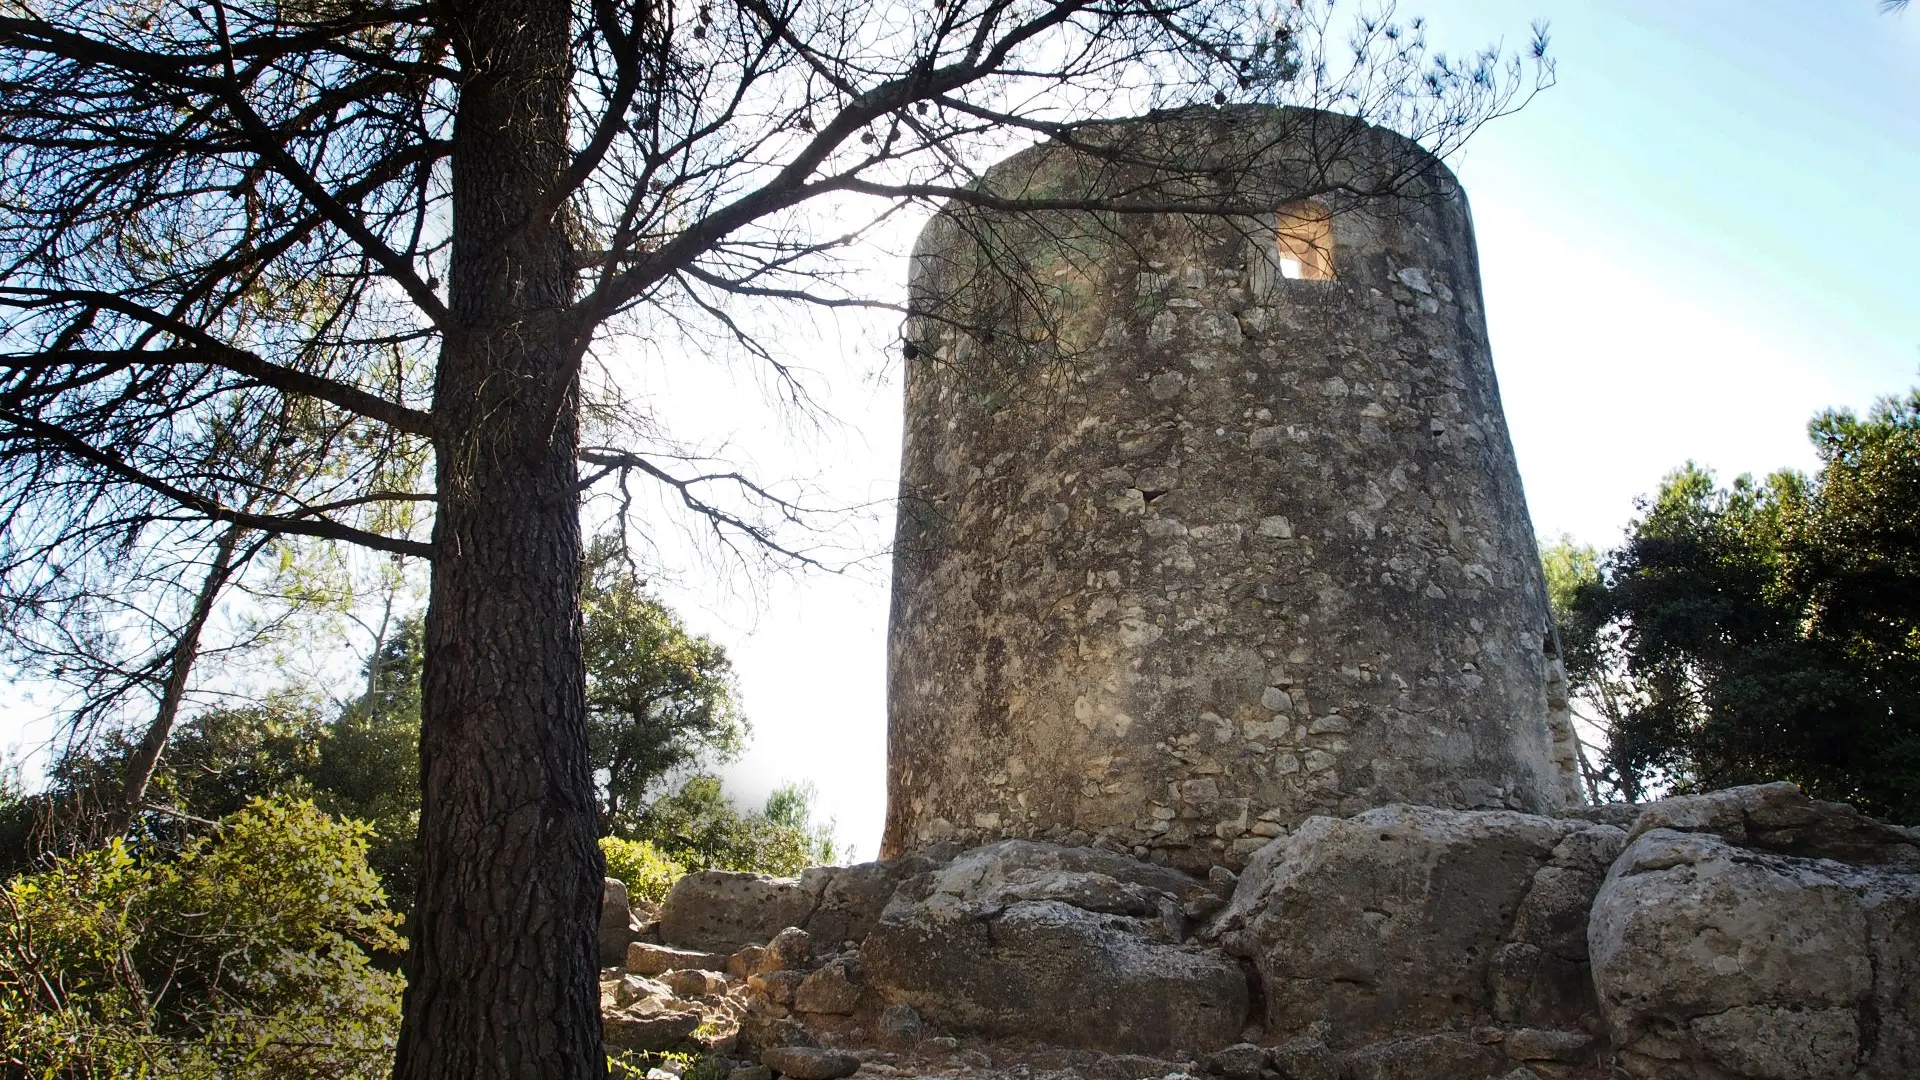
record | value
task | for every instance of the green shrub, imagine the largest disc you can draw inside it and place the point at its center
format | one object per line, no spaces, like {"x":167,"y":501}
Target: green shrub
{"x":646,"y":872}
{"x":698,"y":827}
{"x":244,"y":957}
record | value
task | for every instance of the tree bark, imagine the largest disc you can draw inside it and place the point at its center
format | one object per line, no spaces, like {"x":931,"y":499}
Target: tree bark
{"x":503,"y":964}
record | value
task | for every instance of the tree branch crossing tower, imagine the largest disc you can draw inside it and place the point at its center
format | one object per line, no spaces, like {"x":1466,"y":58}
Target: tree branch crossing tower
{"x":1210,"y":520}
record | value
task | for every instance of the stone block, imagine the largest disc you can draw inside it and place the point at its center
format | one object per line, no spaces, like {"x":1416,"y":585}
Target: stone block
{"x":810,"y":1062}
{"x":1070,"y":945}
{"x":646,"y":958}
{"x":722,"y":911}
{"x":1719,"y":951}
{"x":1387,"y":922}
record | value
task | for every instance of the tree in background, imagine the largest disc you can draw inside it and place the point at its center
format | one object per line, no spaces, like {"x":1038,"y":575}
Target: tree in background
{"x":698,"y":827}
{"x":659,"y":700}
{"x":1763,"y":631}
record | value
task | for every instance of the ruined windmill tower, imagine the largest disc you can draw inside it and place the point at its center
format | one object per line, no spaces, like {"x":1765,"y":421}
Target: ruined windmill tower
{"x":1210,"y":523}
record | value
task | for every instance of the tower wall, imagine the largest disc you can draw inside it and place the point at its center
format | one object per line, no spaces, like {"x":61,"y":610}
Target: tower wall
{"x":1189,"y":550}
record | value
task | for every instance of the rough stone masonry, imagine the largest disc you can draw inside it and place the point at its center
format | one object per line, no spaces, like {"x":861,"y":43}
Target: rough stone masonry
{"x":1211,"y":523}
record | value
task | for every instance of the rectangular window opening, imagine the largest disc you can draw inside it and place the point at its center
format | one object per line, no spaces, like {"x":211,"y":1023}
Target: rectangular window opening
{"x":1304,"y":235}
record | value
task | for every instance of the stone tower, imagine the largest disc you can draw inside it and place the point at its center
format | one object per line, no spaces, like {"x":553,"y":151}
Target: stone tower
{"x":1210,"y":522}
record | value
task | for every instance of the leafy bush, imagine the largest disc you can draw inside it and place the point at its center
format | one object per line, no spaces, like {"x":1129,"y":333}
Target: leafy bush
{"x":646,"y":872}
{"x":246,"y":956}
{"x":699,"y":827}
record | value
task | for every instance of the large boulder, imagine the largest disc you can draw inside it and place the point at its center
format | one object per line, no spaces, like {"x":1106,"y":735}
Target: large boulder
{"x":851,"y":898}
{"x":1542,"y":975}
{"x":1397,"y":920}
{"x":1069,"y":945}
{"x":617,"y":928}
{"x":725,"y":911}
{"x":722,"y":911}
{"x":1754,"y":934}
{"x":1781,"y":819}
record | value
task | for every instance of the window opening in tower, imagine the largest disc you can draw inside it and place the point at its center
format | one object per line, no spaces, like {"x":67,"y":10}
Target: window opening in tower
{"x":1305,"y":235}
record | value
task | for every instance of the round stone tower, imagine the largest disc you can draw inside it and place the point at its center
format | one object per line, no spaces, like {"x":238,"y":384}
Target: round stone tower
{"x":1210,"y":522}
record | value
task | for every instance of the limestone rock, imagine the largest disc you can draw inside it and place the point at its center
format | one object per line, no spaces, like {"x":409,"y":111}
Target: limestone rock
{"x":748,"y":961}
{"x":778,"y":987}
{"x":1716,"y":954}
{"x":789,"y":950}
{"x":1241,"y":1061}
{"x":722,"y":911}
{"x":1424,"y":1057}
{"x":900,"y":1026}
{"x":835,"y":989}
{"x":694,"y":982}
{"x":810,"y":1062}
{"x":751,"y":1072}
{"x":1304,"y":1059}
{"x":643,"y":1030}
{"x":1389,"y":921}
{"x":617,"y":927}
{"x":760,"y":1032}
{"x":633,"y":988}
{"x":1780,"y":818}
{"x":646,"y":958}
{"x":1538,"y":1044}
{"x":851,"y":898}
{"x":1542,"y":975}
{"x":1071,"y":945}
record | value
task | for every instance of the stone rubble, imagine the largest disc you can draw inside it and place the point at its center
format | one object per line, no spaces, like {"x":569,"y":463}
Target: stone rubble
{"x":1751,"y":934}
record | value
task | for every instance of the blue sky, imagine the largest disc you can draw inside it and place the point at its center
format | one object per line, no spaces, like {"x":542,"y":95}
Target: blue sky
{"x":1700,"y":236}
{"x":1703,"y":234}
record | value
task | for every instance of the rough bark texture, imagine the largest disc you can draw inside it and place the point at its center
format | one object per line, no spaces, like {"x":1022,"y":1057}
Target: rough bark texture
{"x":503,"y":965}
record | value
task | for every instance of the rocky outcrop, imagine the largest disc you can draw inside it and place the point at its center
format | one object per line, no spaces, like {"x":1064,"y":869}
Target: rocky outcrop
{"x":618,"y":928}
{"x":852,"y":898}
{"x":1071,"y":945}
{"x":1541,"y":974}
{"x":722,"y":911}
{"x":1749,"y":934}
{"x":1759,"y":935}
{"x":1408,"y":919}
{"x":646,"y":958}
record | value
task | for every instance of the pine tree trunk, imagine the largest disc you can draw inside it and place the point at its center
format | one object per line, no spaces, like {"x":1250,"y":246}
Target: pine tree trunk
{"x":503,"y":965}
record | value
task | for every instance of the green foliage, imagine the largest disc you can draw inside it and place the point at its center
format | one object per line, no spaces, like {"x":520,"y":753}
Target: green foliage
{"x":646,"y":872}
{"x":16,"y":821}
{"x":699,"y":828}
{"x":368,"y":763}
{"x":1766,"y":630}
{"x":659,"y":699}
{"x":1569,"y":567}
{"x":220,"y":761}
{"x":244,"y":956}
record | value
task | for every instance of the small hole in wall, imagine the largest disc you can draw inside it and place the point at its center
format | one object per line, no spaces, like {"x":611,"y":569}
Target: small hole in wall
{"x":1304,"y":237}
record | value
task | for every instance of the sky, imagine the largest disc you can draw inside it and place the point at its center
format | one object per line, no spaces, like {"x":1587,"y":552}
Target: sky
{"x":1700,"y":236}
